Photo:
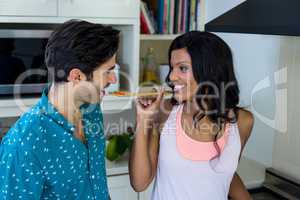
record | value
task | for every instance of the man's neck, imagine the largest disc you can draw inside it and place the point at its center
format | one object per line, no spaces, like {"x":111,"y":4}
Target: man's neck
{"x":60,"y":96}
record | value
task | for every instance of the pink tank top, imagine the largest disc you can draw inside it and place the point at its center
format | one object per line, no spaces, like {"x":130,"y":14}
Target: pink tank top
{"x":191,"y":170}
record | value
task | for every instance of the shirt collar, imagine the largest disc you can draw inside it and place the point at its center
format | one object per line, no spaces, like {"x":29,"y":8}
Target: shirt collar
{"x":48,"y":109}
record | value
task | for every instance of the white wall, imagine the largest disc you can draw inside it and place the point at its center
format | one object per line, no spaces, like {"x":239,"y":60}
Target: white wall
{"x":256,"y":57}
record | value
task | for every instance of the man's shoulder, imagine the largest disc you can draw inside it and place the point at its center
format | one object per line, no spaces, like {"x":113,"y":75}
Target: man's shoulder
{"x":20,"y":142}
{"x":24,"y":131}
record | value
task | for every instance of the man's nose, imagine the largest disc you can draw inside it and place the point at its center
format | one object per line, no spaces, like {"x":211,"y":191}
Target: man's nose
{"x":113,"y":78}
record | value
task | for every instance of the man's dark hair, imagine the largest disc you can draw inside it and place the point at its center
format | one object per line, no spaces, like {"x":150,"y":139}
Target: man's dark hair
{"x":79,"y":44}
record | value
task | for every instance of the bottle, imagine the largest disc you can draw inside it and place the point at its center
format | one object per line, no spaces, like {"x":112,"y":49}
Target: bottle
{"x":150,"y":72}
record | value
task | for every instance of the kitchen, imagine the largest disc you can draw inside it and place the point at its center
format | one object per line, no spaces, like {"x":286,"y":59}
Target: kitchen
{"x":268,"y":84}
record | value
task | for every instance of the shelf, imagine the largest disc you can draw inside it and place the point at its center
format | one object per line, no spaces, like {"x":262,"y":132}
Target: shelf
{"x":112,"y":104}
{"x":15,"y":107}
{"x":118,"y":167}
{"x":158,"y":36}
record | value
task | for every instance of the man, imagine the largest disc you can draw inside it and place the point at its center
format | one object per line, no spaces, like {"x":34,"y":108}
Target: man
{"x":56,"y":150}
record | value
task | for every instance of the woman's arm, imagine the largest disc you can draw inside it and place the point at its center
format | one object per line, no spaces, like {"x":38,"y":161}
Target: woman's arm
{"x":143,"y":156}
{"x":238,"y":190}
{"x":144,"y":152}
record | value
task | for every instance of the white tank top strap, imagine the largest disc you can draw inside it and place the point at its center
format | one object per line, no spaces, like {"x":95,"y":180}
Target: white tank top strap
{"x":170,"y":124}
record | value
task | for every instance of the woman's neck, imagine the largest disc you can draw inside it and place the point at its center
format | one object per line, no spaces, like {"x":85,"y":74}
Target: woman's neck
{"x":191,"y":107}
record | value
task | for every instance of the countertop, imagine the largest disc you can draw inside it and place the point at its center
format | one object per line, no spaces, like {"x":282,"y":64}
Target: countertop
{"x":117,"y":167}
{"x":251,"y":172}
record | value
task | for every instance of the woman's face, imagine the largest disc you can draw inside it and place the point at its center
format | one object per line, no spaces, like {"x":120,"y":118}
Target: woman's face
{"x":181,"y":76}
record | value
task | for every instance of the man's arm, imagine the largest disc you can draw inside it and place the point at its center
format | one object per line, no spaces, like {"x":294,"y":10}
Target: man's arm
{"x":20,"y":175}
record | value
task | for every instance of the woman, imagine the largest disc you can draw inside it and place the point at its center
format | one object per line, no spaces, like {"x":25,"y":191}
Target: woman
{"x":192,"y":143}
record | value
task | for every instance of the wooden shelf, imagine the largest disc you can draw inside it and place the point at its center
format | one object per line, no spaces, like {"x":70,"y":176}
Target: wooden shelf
{"x":158,"y":36}
{"x":15,"y":107}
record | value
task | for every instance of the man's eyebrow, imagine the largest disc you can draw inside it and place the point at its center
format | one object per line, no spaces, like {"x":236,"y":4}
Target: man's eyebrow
{"x":112,"y":67}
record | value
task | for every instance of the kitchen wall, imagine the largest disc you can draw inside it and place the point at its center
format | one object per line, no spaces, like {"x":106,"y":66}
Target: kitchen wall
{"x":256,"y":58}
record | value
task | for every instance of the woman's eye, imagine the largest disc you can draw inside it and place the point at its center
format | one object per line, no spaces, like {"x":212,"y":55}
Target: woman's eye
{"x":183,"y":68}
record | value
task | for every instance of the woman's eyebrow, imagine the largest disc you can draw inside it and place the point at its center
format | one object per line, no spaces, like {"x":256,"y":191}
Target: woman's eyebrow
{"x":182,"y":62}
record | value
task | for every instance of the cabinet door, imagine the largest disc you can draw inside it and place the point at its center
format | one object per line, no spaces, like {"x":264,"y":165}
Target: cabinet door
{"x":28,"y":7}
{"x":120,"y":188}
{"x":99,"y":8}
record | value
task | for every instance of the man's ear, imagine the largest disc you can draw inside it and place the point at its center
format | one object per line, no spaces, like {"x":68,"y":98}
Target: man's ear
{"x":76,"y":75}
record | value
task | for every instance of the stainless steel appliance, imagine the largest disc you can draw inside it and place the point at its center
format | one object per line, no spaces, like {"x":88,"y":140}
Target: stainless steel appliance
{"x":22,"y":58}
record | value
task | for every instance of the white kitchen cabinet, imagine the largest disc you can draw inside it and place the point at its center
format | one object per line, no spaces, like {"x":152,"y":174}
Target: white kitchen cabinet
{"x":99,"y":8}
{"x":28,"y":7}
{"x":119,"y":188}
{"x":70,"y":8}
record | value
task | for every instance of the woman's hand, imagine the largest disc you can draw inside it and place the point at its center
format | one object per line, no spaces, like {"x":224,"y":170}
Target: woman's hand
{"x":144,"y":151}
{"x":148,"y":107}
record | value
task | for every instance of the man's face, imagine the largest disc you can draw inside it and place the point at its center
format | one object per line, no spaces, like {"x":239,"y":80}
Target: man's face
{"x":105,"y":75}
{"x":92,"y":91}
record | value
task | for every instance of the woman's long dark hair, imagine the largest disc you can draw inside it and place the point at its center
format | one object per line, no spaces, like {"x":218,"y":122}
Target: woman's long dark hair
{"x":212,"y":65}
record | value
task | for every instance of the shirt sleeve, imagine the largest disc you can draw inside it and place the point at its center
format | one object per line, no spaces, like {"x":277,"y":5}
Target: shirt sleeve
{"x":94,"y":133}
{"x":20,"y":175}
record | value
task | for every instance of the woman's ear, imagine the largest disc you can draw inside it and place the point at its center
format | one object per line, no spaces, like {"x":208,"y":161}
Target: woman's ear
{"x":76,"y":75}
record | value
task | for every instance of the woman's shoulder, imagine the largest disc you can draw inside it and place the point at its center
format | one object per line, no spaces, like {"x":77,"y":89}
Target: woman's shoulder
{"x":245,"y":122}
{"x":245,"y":118}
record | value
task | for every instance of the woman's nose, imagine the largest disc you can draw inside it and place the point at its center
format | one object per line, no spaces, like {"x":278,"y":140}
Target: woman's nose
{"x":173,"y":76}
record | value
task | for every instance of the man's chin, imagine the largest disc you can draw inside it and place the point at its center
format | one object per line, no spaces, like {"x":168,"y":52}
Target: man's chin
{"x":102,"y":93}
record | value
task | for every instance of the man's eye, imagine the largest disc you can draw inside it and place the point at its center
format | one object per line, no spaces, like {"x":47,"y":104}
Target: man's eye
{"x":109,"y":71}
{"x":183,"y":68}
